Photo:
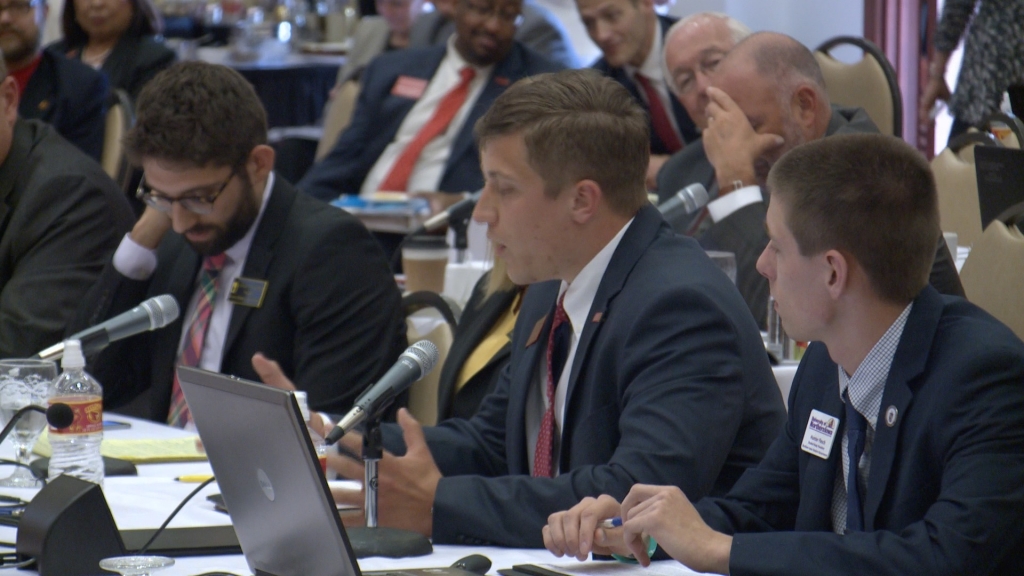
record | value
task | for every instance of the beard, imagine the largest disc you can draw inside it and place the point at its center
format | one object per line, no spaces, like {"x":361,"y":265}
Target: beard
{"x":227,"y":236}
{"x":17,"y":45}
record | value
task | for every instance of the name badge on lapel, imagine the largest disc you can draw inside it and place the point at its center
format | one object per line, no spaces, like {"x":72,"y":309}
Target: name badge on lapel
{"x":820,"y":433}
{"x":409,"y":87}
{"x":248,"y":292}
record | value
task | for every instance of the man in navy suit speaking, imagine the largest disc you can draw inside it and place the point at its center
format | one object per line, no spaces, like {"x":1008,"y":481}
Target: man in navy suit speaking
{"x":904,"y":449}
{"x":412,"y":129}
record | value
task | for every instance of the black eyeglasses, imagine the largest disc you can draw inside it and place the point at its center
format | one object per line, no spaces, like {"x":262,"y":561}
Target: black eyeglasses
{"x":195,"y":203}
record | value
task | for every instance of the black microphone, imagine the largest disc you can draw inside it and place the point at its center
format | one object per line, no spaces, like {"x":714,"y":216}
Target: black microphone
{"x":58,"y":415}
{"x":154,"y":313}
{"x":686,"y":201}
{"x":415,"y":363}
{"x":459,"y":210}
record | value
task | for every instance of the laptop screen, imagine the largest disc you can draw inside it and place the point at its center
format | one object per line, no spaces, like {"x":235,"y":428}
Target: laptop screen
{"x":269,"y":476}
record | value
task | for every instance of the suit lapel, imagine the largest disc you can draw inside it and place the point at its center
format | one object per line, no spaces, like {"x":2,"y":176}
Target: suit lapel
{"x":261,"y":252}
{"x":635,"y":241}
{"x":907,"y":364}
{"x":818,"y":476}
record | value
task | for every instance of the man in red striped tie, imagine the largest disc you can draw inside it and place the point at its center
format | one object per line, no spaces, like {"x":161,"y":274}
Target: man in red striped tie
{"x":633,"y":357}
{"x":412,"y":129}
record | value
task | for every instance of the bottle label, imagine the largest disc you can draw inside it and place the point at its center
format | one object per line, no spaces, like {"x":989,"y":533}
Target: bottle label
{"x":88,"y":415}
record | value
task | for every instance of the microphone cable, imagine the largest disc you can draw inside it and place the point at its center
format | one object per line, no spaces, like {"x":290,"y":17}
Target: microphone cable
{"x":181,"y":505}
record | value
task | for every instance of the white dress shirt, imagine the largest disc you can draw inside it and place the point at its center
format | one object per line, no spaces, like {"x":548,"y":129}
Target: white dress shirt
{"x":579,"y":298}
{"x":138,"y":263}
{"x":426,"y":175}
{"x":721,"y":207}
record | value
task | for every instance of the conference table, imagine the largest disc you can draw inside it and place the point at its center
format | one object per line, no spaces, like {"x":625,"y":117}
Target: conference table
{"x":144,"y":501}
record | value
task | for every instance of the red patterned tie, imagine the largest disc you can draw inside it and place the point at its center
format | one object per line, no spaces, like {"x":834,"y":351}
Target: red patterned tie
{"x":179,"y":415}
{"x":558,"y":348}
{"x":659,"y":117}
{"x":397,"y":179}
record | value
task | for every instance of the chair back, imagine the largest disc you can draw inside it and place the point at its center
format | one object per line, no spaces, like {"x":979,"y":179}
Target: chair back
{"x":337,"y":115}
{"x":120,"y":118}
{"x":957,"y":184}
{"x":994,"y":273}
{"x":870,"y":83}
{"x":1009,"y":130}
{"x":429,"y":317}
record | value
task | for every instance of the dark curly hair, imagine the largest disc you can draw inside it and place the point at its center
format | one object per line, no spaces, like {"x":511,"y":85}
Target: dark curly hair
{"x":197,"y":113}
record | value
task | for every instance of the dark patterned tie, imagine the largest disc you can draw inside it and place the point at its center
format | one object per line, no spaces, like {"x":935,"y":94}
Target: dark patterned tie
{"x":558,"y":349}
{"x":856,"y":427}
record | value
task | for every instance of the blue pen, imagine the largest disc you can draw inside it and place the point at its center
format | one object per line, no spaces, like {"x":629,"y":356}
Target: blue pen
{"x":616,"y":522}
{"x":612,"y":522}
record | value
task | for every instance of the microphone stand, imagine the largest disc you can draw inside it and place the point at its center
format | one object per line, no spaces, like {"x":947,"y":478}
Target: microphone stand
{"x":458,"y":221}
{"x":374,"y":540}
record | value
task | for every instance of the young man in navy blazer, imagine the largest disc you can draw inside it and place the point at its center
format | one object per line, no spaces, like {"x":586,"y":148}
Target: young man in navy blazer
{"x":904,"y":449}
{"x":657,"y":371}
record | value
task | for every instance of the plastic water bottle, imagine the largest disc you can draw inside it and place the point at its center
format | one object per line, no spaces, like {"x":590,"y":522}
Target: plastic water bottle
{"x":76,"y":449}
{"x":318,"y":441}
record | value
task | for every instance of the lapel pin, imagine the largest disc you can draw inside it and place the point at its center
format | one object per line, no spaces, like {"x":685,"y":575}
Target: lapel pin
{"x":891,"y":413}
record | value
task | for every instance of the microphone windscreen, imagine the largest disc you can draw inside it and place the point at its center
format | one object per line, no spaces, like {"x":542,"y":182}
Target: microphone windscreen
{"x":425,"y":354}
{"x":162,"y":310}
{"x":60,"y":415}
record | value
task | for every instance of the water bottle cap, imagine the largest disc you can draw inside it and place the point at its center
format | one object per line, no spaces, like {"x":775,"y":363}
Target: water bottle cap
{"x":72,"y":355}
{"x":303,"y":401}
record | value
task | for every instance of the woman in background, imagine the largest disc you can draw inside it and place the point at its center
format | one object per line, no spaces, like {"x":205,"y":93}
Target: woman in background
{"x":482,"y":345}
{"x":116,"y":37}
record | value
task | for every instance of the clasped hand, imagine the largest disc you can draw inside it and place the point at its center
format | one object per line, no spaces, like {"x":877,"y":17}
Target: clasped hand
{"x":661,"y":512}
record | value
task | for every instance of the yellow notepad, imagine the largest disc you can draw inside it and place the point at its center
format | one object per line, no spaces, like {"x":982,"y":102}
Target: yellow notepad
{"x":140,"y":451}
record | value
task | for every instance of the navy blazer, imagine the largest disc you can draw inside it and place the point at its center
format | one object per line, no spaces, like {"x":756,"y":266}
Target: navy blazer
{"x":687,"y":129}
{"x":331,"y":315}
{"x":379,"y":114}
{"x":945,"y":494}
{"x":670,"y":384}
{"x":71,"y":97}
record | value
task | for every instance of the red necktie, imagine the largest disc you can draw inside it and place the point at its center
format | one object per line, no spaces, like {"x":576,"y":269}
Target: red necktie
{"x":397,"y":179}
{"x":179,"y":415}
{"x":659,"y":117}
{"x":558,"y":349}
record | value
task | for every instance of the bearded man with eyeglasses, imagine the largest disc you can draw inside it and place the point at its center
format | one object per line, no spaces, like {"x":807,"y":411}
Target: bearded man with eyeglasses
{"x":261,"y":272}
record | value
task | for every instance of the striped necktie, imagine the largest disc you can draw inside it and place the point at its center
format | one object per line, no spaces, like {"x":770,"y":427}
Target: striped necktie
{"x":179,"y":415}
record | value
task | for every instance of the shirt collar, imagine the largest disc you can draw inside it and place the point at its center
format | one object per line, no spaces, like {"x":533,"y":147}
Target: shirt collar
{"x":579,"y":296}
{"x":868,"y":382}
{"x":240,"y":249}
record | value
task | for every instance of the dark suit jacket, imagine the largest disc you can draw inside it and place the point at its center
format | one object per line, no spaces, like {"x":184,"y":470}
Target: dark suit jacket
{"x":945,"y":494}
{"x":132,"y":62}
{"x":670,"y":384}
{"x":478,"y":317}
{"x":743,"y":233}
{"x":540,"y":30}
{"x":331,"y":315}
{"x":61,"y":218}
{"x":687,"y":128}
{"x":71,"y":97}
{"x":379,"y":114}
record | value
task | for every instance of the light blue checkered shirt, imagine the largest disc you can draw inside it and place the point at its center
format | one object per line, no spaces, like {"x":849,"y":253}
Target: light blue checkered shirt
{"x":865,"y":388}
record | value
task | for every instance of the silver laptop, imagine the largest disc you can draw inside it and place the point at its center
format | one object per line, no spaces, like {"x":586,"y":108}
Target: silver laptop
{"x":269,"y":476}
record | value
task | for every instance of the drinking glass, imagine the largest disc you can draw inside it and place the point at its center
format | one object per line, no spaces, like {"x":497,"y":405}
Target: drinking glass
{"x":24,"y":382}
{"x":726,"y":261}
{"x":136,"y":565}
